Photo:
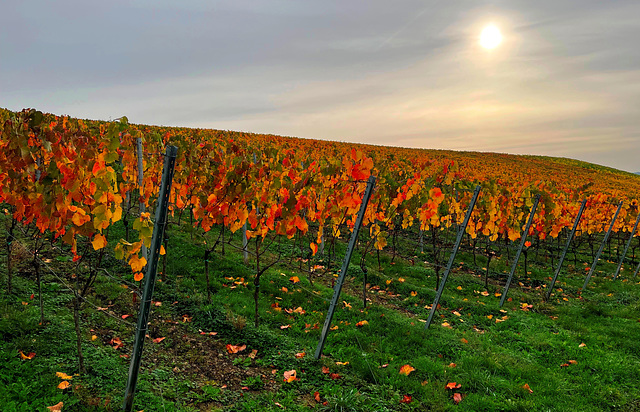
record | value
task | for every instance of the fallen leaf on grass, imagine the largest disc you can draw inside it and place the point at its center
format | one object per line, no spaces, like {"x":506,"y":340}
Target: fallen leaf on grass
{"x":285,"y":326}
{"x":325,"y":370}
{"x":453,"y":385}
{"x":316,"y":396}
{"x":457,"y":398}
{"x":116,"y":342}
{"x":235,"y":348}
{"x":63,"y":375}
{"x":406,"y":370}
{"x":342,"y":363}
{"x":125,"y":316}
{"x":406,"y":399}
{"x":452,"y":365}
{"x":573,"y":362}
{"x":463,"y":340}
{"x":526,"y":386}
{"x":300,"y":355}
{"x":57,"y":407}
{"x":158,"y":340}
{"x":294,"y":279}
{"x":253,"y":354}
{"x":29,"y":355}
{"x":362,"y":323}
{"x":93,"y":337}
{"x":334,"y":376}
{"x":64,"y":385}
{"x":290,"y":376}
{"x":485,"y":293}
{"x":446,"y":325}
{"x":582,"y":345}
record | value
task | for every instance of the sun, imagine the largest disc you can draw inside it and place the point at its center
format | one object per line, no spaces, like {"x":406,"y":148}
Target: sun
{"x":490,"y":37}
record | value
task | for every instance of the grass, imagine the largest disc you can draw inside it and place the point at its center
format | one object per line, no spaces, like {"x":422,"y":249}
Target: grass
{"x":578,"y":351}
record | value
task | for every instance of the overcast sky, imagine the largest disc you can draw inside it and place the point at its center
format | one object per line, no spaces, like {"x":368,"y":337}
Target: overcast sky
{"x":564,"y":82}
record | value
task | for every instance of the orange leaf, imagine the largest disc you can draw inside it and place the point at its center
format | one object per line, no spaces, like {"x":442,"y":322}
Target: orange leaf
{"x":453,"y":385}
{"x":573,"y":362}
{"x":93,"y":337}
{"x":285,"y":326}
{"x":316,"y":396}
{"x":325,"y":370}
{"x":253,"y":353}
{"x":162,"y":251}
{"x":138,"y":276}
{"x":362,"y":323}
{"x":463,"y":340}
{"x":406,"y":370}
{"x":457,"y":398}
{"x":294,"y":279}
{"x":452,"y":365}
{"x":57,"y":407}
{"x":526,"y":386}
{"x":527,"y":244}
{"x":64,"y":385}
{"x":314,"y":248}
{"x":235,"y":348}
{"x":334,"y":376}
{"x":406,"y":399}
{"x":30,"y":355}
{"x":137,"y":263}
{"x":300,"y":355}
{"x":158,"y":340}
{"x":290,"y":376}
{"x":125,"y":316}
{"x":63,"y":375}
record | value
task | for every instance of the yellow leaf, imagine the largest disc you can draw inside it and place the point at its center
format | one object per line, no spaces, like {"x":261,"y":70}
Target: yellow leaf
{"x":64,"y":385}
{"x":406,"y":370}
{"x":93,"y":337}
{"x":63,"y":375}
{"x":99,"y":241}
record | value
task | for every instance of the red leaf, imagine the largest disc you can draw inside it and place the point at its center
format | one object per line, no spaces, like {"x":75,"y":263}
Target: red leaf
{"x":325,"y":370}
{"x":457,"y":398}
{"x":316,"y":396}
{"x":406,"y":399}
{"x":334,"y":376}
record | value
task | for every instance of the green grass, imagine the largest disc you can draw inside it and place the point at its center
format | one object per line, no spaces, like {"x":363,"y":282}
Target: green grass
{"x":491,"y":352}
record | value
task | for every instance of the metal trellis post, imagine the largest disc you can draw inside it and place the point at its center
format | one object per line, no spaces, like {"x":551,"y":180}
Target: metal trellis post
{"x":461,"y":230}
{"x":604,"y":242}
{"x":566,"y":248}
{"x":525,"y":233}
{"x":150,"y":276}
{"x":345,"y":265}
{"x":626,"y":248}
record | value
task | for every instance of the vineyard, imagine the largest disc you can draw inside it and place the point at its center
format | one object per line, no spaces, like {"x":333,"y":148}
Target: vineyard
{"x":478,"y":280}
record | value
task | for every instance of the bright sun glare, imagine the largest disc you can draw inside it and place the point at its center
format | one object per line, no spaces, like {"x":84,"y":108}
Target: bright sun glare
{"x":490,"y":37}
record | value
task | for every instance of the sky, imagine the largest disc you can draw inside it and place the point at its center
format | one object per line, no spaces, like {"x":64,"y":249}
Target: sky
{"x":565,"y":81}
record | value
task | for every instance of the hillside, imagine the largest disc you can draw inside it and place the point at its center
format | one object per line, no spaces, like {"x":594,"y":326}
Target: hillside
{"x":256,"y":239}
